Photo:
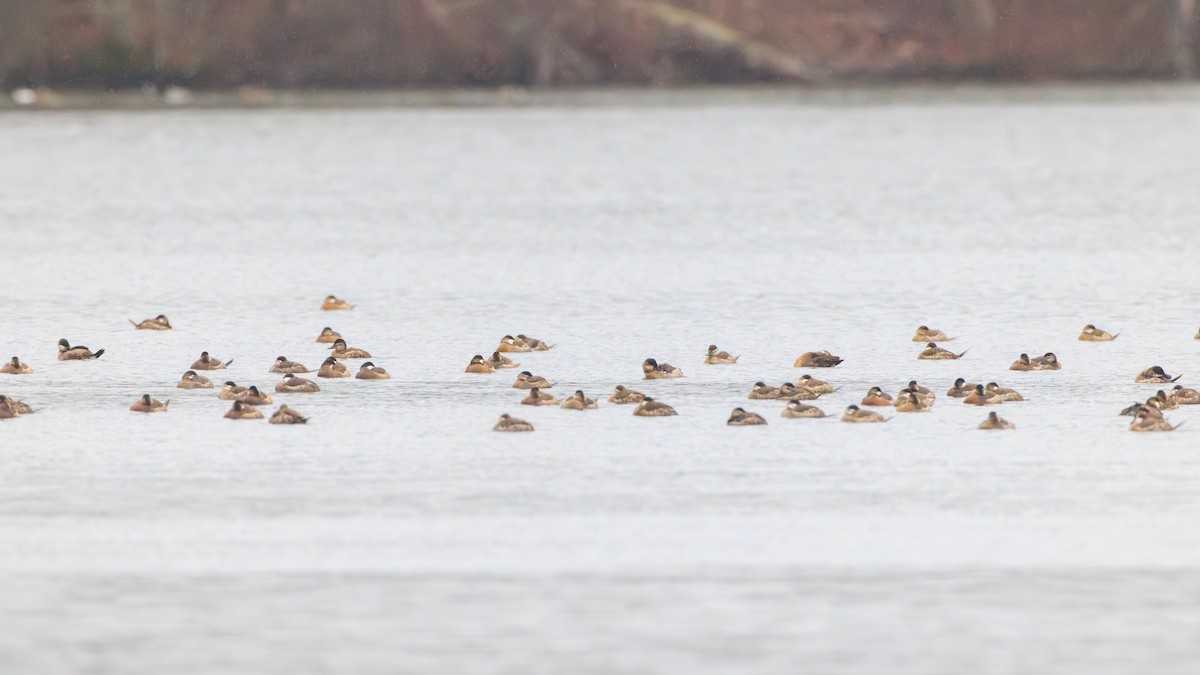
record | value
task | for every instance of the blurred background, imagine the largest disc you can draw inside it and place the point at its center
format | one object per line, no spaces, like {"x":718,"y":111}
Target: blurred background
{"x":294,"y":44}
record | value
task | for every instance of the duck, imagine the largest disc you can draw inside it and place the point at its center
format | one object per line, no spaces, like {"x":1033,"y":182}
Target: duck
{"x":327,"y":336}
{"x":790,"y":392}
{"x":282,"y":365}
{"x":77,"y":353}
{"x":1022,"y":363}
{"x":1164,"y":402}
{"x":230,"y":391}
{"x":537,"y":397}
{"x":535,"y":344}
{"x":1155,"y":375}
{"x":241,"y":411}
{"x":919,"y":390}
{"x":290,"y":384}
{"x":742,"y":418}
{"x":286,"y":415}
{"x":622,"y":396}
{"x":159,"y":322}
{"x":926,"y":334}
{"x":1003,"y":393}
{"x":961,"y":388}
{"x":333,"y":303}
{"x":760,"y":391}
{"x":370,"y":371}
{"x":821,"y":359}
{"x":509,"y":423}
{"x":814,"y":385}
{"x":499,"y":361}
{"x":331,"y":368}
{"x":1185,"y":396}
{"x":910,"y":401}
{"x":1145,"y":420}
{"x":17,"y":407}
{"x":15,"y":366}
{"x":719,"y":358}
{"x":6,"y":409}
{"x":578,"y":401}
{"x":1048,"y":361}
{"x":478,"y":365}
{"x":1092,"y":334}
{"x":653,"y":370}
{"x":1133,"y":409}
{"x":145,"y":404}
{"x":796,"y":409}
{"x":527,"y":380}
{"x":191,"y":380}
{"x":995,"y":421}
{"x":206,"y":362}
{"x":876,"y":397}
{"x":509,"y":344}
{"x":255,"y":397}
{"x":858,"y":415}
{"x":981,"y":397}
{"x":341,"y":351}
{"x":932,"y":352}
{"x":651,"y":408}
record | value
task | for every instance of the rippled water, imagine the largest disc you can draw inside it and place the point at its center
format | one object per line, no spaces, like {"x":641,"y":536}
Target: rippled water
{"x":397,"y":533}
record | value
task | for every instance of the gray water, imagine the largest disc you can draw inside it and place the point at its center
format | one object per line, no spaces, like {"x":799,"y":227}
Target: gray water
{"x":397,"y":533}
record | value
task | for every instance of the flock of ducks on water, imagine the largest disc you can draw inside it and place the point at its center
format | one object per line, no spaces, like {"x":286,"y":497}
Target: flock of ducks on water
{"x":913,"y":398}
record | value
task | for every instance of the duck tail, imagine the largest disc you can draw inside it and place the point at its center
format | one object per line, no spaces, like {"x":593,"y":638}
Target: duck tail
{"x":1178,"y":425}
{"x":1177,"y":377}
{"x":132,"y":323}
{"x":166,"y":404}
{"x":1116,"y":335}
{"x":887,"y":419}
{"x":99,"y":353}
{"x":736,"y":358}
{"x":962,"y":354}
{"x":950,"y":339}
{"x":229,"y":363}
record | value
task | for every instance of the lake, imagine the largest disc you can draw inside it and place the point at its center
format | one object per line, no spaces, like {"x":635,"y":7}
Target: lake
{"x":397,"y":533}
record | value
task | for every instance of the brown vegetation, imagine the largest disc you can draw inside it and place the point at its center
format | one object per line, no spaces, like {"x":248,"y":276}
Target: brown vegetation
{"x":387,"y":43}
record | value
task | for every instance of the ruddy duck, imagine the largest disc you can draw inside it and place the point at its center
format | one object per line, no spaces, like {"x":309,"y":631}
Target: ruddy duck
{"x":578,"y":401}
{"x":508,"y":423}
{"x":328,"y":335}
{"x":509,"y":344}
{"x":651,"y":408}
{"x":814,"y":385}
{"x":290,"y":384}
{"x":790,"y":392}
{"x":17,"y":407}
{"x":232,"y":392}
{"x":286,"y":415}
{"x":206,"y":362}
{"x":1023,"y":363}
{"x":255,"y":397}
{"x":653,"y":370}
{"x":499,"y":361}
{"x":910,"y":401}
{"x":1048,"y":361}
{"x":719,"y":358}
{"x":742,"y":418}
{"x":926,"y":334}
{"x":527,"y":380}
{"x":961,"y":388}
{"x":535,"y":344}
{"x":191,"y":380}
{"x":1145,"y":420}
{"x":1155,"y":375}
{"x":994,"y":421}
{"x":858,"y":415}
{"x":796,"y":409}
{"x":241,"y":411}
{"x":761,"y":391}
{"x":919,"y":390}
{"x":1164,"y":402}
{"x":159,"y":322}
{"x":981,"y":397}
{"x":282,"y":365}
{"x":932,"y":352}
{"x":369,"y":371}
{"x":1185,"y":396}
{"x":622,"y":396}
{"x":1003,"y":393}
{"x":821,"y":359}
{"x":145,"y":404}
{"x":478,"y":365}
{"x":537,"y":397}
{"x":333,"y":303}
{"x":1092,"y":334}
{"x":876,"y":397}
{"x":77,"y":353}
{"x":331,"y":368}
{"x":15,"y":366}
{"x":341,"y":351}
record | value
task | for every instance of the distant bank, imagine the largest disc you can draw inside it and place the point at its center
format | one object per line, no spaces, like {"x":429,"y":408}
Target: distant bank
{"x":288,"y":44}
